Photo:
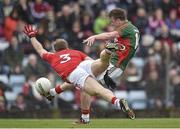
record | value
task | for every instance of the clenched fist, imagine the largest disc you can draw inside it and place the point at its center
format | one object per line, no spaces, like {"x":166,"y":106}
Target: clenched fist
{"x":30,"y":31}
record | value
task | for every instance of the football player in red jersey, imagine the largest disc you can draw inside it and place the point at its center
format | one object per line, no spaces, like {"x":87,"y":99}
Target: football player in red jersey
{"x":74,"y":68}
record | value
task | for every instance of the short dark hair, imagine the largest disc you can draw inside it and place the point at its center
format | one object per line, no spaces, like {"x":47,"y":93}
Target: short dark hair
{"x":60,"y":44}
{"x":118,"y":13}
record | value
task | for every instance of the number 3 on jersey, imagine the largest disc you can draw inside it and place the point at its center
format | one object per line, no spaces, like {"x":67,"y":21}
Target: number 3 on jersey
{"x":65,"y":58}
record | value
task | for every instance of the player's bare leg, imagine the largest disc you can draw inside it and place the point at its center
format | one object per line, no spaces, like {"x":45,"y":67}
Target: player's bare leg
{"x":92,"y":87}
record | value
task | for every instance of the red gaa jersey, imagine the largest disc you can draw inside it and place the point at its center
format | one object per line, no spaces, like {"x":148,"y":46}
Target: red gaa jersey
{"x":65,"y":61}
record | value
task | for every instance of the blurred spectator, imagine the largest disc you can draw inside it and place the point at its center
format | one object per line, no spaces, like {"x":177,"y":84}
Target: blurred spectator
{"x":42,"y":36}
{"x":173,"y":22}
{"x":20,"y":104}
{"x":52,"y":78}
{"x":24,"y":11}
{"x":155,"y":90}
{"x":150,"y":6}
{"x":101,"y":22}
{"x":178,"y":9}
{"x":176,"y":54}
{"x":23,"y":41}
{"x":110,"y":4}
{"x":76,"y":36}
{"x":4,"y":69}
{"x":10,"y":24}
{"x":13,"y":55}
{"x":64,"y":22}
{"x":39,"y":8}
{"x":141,"y":21}
{"x":3,"y":101}
{"x":167,"y":5}
{"x":2,"y":104}
{"x":27,"y":87}
{"x":155,"y":22}
{"x":87,"y":25}
{"x":151,"y":66}
{"x":96,"y":6}
{"x":51,"y":21}
{"x":175,"y":82}
{"x":132,"y":7}
{"x":76,"y":10}
{"x":164,"y":36}
{"x":160,"y":54}
{"x":1,"y":14}
{"x":7,"y":7}
{"x":34,"y":67}
{"x":17,"y":70}
{"x":133,"y":77}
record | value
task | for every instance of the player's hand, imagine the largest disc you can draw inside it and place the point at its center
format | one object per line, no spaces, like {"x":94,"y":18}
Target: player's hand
{"x":90,"y":41}
{"x":30,"y":31}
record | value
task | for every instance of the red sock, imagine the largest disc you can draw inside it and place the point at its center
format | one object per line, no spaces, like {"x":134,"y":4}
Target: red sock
{"x":58,"y":89}
{"x":113,"y":100}
{"x":85,"y":111}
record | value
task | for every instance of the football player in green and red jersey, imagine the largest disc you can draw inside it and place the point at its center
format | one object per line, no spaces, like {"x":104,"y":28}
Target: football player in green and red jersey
{"x":126,"y":35}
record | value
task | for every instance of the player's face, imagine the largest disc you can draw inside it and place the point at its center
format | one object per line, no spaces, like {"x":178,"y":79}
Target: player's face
{"x":114,"y":22}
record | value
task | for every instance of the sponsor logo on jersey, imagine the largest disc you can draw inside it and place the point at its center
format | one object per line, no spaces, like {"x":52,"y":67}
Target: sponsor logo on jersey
{"x":121,"y":46}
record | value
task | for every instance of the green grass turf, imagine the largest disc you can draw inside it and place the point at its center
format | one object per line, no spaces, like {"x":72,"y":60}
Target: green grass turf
{"x":95,"y":123}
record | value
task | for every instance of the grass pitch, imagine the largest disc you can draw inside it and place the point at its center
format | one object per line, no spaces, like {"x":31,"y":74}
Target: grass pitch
{"x":95,"y":123}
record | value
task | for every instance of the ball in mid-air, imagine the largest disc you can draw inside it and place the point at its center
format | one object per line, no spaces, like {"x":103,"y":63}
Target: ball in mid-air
{"x":43,"y":85}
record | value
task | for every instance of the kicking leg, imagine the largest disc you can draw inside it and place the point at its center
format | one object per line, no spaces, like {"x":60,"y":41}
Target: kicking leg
{"x":92,"y":87}
{"x":101,"y":64}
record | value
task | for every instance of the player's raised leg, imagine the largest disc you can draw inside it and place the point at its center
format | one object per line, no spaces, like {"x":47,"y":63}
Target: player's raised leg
{"x":101,"y":64}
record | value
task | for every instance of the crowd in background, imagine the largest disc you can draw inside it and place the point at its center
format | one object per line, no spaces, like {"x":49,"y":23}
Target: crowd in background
{"x":155,"y":69}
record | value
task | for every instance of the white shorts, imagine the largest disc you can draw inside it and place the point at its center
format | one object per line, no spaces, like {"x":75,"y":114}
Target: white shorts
{"x":79,"y":75}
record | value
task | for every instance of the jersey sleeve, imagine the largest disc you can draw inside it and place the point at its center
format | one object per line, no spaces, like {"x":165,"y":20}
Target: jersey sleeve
{"x":48,"y":56}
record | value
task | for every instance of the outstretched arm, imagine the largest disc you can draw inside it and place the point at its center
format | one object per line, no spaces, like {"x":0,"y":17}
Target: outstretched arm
{"x":32,"y":33}
{"x":37,"y":46}
{"x":102,"y":36}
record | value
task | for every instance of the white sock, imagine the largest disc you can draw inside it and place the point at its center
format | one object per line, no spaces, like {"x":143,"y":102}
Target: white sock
{"x":117,"y":104}
{"x":85,"y":117}
{"x":53,"y":92}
